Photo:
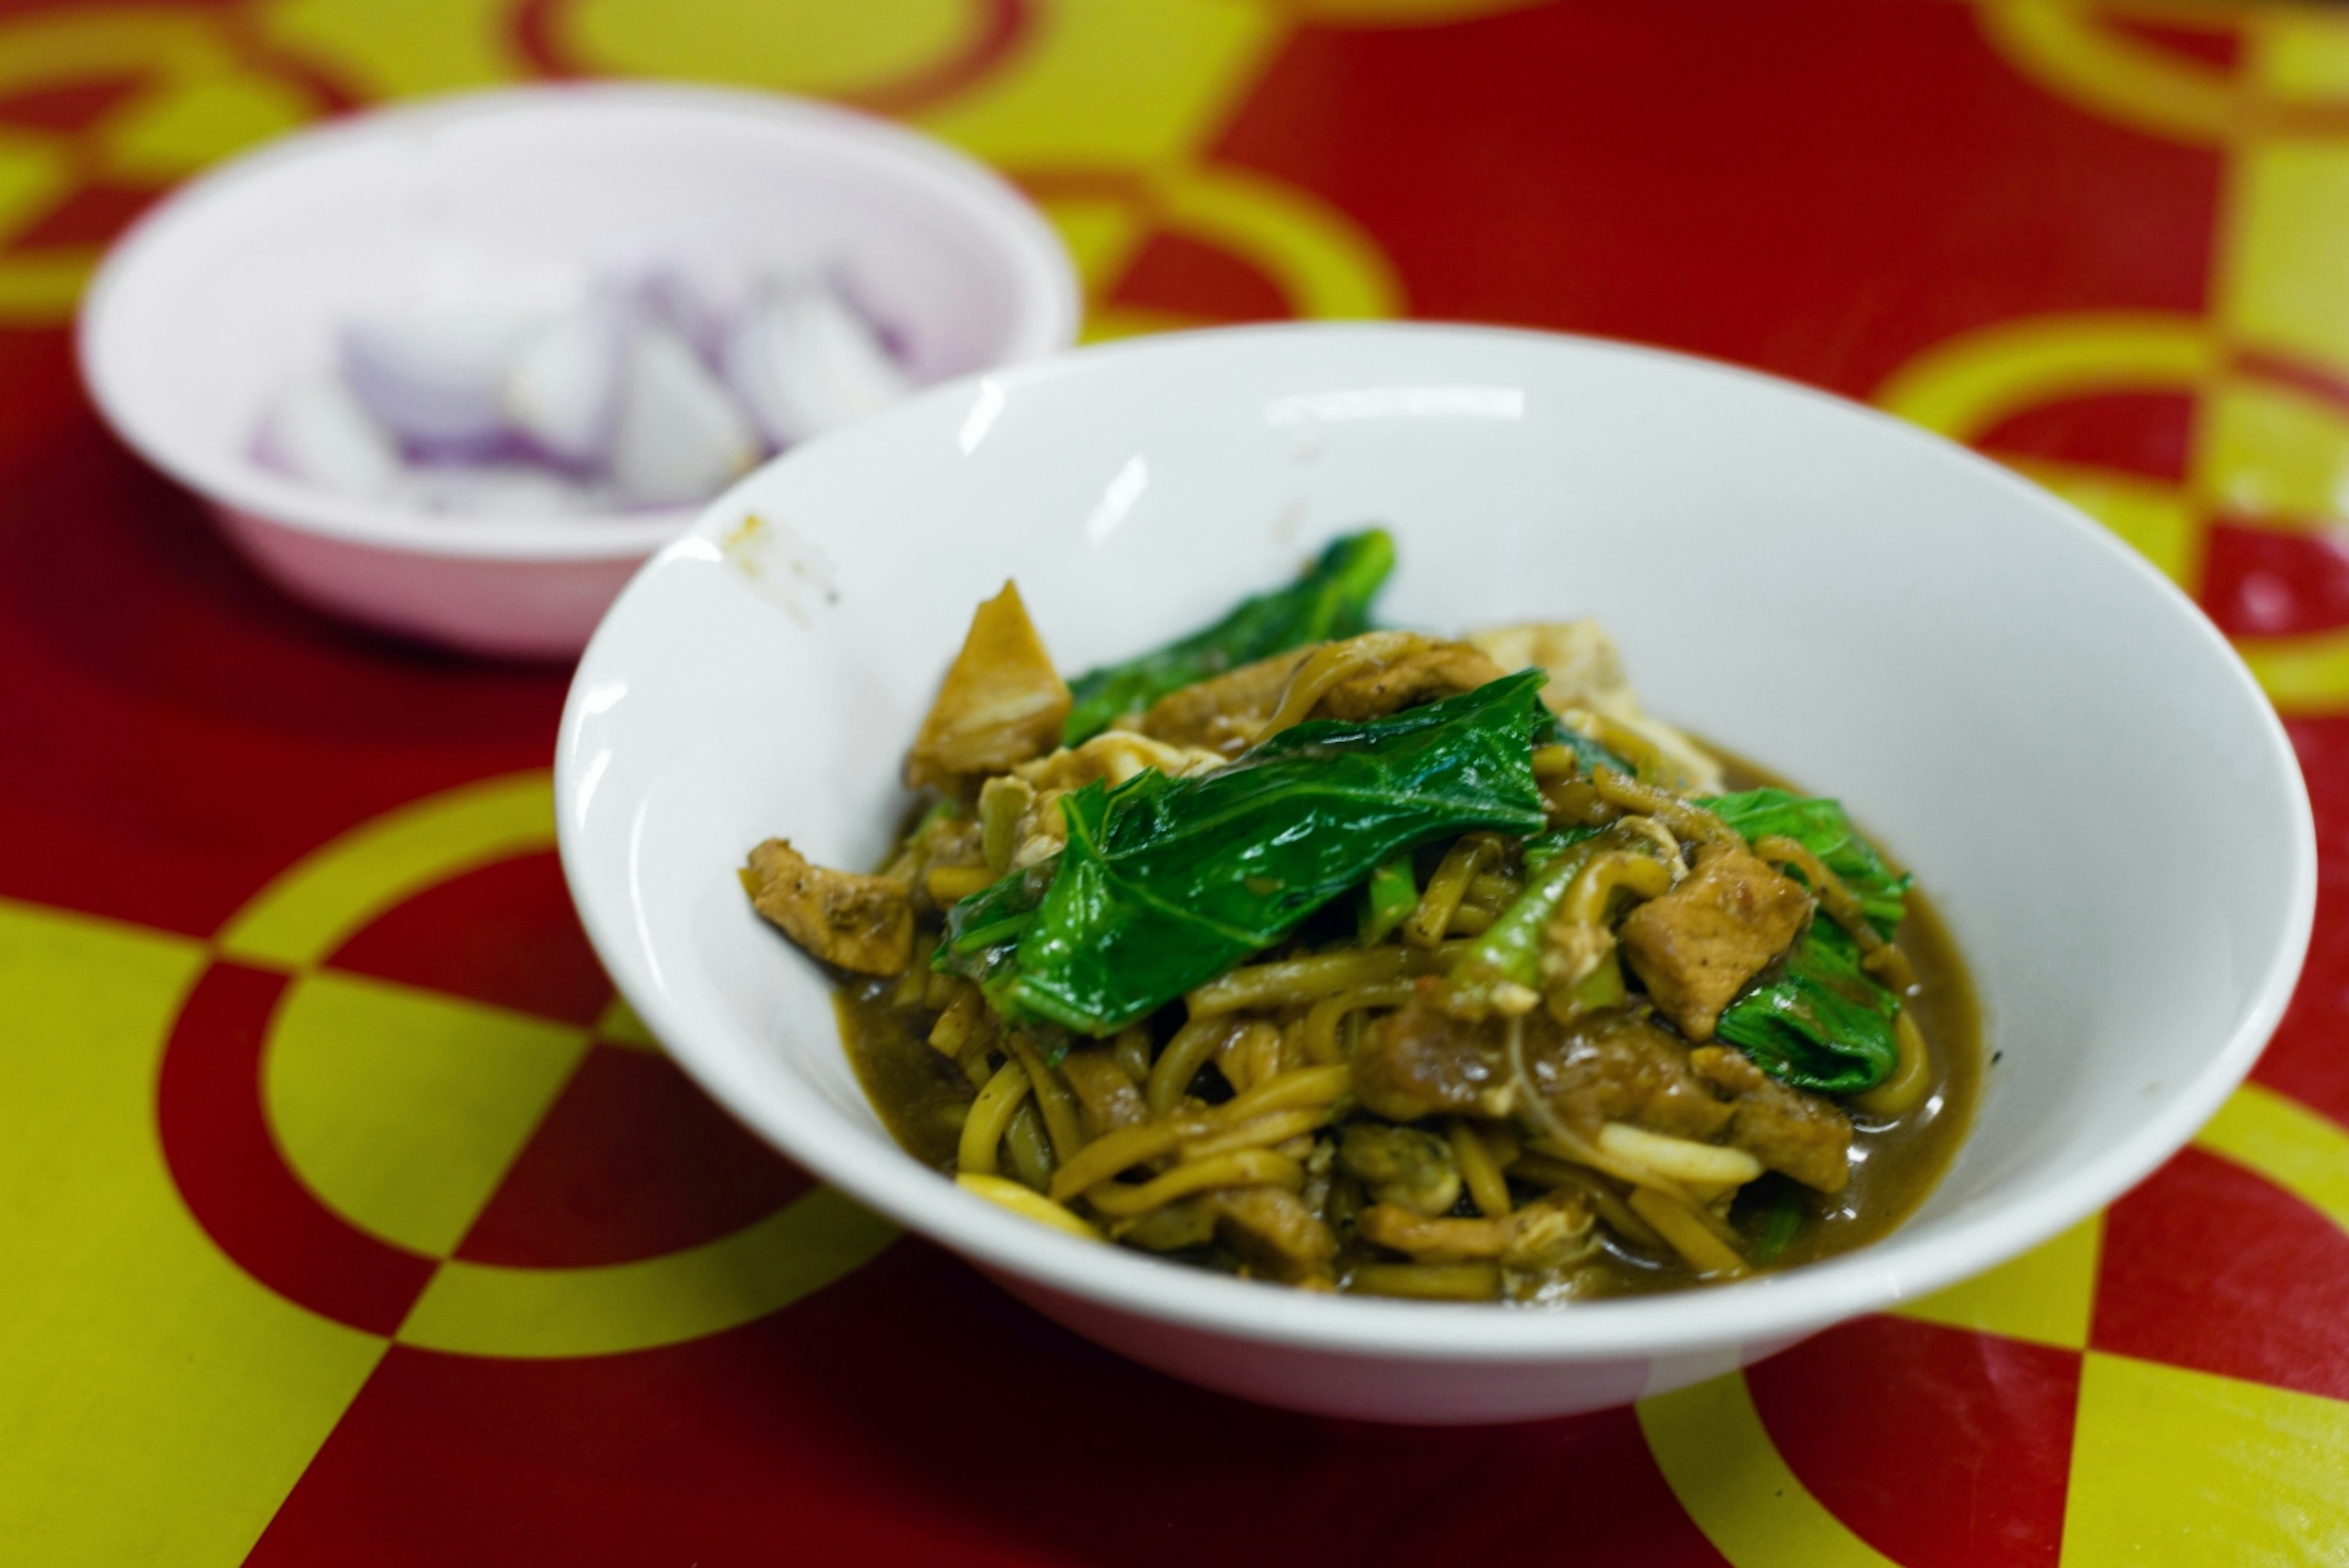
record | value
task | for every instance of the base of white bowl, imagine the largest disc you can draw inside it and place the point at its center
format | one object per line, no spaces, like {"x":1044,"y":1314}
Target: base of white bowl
{"x":1398,"y":1390}
{"x":507,"y":609}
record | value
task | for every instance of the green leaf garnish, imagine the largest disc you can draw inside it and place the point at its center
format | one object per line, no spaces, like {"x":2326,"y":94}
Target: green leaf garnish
{"x":1166,"y":883}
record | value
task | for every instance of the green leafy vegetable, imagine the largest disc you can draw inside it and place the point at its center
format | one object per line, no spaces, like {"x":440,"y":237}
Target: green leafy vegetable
{"x":1820,"y":1023}
{"x":1166,"y":883}
{"x":1509,"y":951}
{"x":1821,"y":827}
{"x":1332,"y":599}
{"x":1781,"y":1220}
{"x":1389,"y":898}
{"x":982,"y":928}
{"x":1540,"y":850}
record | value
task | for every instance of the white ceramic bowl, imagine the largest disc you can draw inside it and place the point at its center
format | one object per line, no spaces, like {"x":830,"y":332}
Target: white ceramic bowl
{"x":2072,"y":761}
{"x":217,"y":299}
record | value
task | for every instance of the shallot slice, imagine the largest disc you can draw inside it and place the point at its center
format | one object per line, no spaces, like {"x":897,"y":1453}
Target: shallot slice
{"x":317,"y":431}
{"x":561,"y":390}
{"x":803,"y":362}
{"x":693,"y":301}
{"x":679,"y":437}
{"x":435,"y":378}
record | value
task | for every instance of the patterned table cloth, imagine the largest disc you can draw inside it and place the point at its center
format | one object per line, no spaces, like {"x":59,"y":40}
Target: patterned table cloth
{"x":347,"y":1217}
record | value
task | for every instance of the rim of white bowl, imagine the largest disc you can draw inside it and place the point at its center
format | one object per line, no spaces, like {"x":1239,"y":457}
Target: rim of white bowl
{"x":1045,"y":289}
{"x":1767,"y":1309}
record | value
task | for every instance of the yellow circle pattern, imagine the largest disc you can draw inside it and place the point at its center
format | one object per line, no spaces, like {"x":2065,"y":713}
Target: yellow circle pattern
{"x":403,"y":1109}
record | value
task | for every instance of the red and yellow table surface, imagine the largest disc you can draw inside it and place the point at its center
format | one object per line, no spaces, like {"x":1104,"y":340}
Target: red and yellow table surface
{"x":346,"y":1215}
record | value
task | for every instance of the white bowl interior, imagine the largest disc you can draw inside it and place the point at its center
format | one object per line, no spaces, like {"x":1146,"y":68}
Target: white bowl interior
{"x":2074,"y":765}
{"x":238,"y":285}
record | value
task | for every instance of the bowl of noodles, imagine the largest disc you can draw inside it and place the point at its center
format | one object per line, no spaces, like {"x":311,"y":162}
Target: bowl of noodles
{"x":1431,"y":874}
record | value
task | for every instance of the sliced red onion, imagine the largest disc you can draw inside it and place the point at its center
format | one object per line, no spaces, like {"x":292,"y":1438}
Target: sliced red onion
{"x":562,"y":391}
{"x":435,"y":378}
{"x":316,"y":431}
{"x":689,"y":302}
{"x":895,"y":340}
{"x":803,"y":362}
{"x":655,"y":391}
{"x":679,"y":437}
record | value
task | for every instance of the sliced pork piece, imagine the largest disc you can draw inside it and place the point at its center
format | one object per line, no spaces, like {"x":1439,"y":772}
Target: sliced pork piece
{"x":1619,"y":1067}
{"x":1802,"y":1135}
{"x":1375,"y":674}
{"x":1420,"y":1061}
{"x":1226,"y":714}
{"x":860,"y":923}
{"x":1365,"y":677}
{"x":1696,"y":947}
{"x":1411,"y":675}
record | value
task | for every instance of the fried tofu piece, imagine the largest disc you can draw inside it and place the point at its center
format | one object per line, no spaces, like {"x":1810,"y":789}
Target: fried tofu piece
{"x":861,"y":923}
{"x":1803,"y":1136}
{"x":1002,"y":704}
{"x":1696,"y":947}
